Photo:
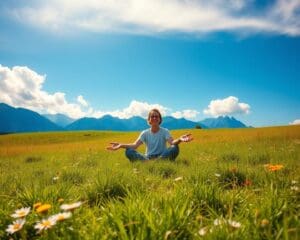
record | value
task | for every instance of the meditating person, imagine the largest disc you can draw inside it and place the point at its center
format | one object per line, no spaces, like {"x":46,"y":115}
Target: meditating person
{"x":155,"y":138}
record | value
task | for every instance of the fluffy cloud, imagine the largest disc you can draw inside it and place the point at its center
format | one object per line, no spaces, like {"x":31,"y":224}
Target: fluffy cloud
{"x":188,"y":114}
{"x":23,"y":87}
{"x":135,"y":108}
{"x":295,"y":122}
{"x":226,"y":106}
{"x":82,"y":101}
{"x":159,"y":16}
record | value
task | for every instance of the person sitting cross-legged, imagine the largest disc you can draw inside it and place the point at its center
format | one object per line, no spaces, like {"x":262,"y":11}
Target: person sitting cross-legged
{"x":155,"y":139}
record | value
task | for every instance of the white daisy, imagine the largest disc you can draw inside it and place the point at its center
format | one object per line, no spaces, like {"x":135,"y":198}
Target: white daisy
{"x":234,"y":224}
{"x":45,"y":224}
{"x":22,"y":212}
{"x":55,"y":178}
{"x":61,"y":216}
{"x":219,"y":221}
{"x":203,"y":231}
{"x":70,"y":207}
{"x":15,"y":226}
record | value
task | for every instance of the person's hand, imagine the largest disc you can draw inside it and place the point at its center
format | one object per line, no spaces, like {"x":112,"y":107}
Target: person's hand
{"x":114,"y":146}
{"x":186,"y":138}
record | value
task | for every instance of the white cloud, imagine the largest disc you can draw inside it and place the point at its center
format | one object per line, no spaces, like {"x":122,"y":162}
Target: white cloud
{"x":226,"y":106}
{"x":187,"y":114}
{"x":286,"y":13}
{"x":82,"y":101}
{"x":135,"y":108}
{"x":23,"y":87}
{"x":295,"y":122}
{"x":142,"y":109}
{"x":159,"y":16}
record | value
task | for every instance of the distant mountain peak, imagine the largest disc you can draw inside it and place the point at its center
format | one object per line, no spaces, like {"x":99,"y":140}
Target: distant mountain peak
{"x":23,"y":120}
{"x":59,"y":119}
{"x":223,"y":122}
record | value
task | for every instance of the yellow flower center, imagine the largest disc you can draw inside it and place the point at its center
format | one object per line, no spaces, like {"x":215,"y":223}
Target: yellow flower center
{"x":22,"y":213}
{"x":46,"y":223}
{"x":60,"y":218}
{"x":16,"y":226}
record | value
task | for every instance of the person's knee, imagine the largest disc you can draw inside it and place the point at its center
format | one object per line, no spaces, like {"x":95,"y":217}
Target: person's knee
{"x":129,"y":152}
{"x":133,"y":155}
{"x":175,"y":152}
{"x":171,"y":153}
{"x":176,"y":149}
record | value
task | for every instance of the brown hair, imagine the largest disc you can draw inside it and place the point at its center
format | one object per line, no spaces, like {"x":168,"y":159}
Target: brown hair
{"x":156,"y":111}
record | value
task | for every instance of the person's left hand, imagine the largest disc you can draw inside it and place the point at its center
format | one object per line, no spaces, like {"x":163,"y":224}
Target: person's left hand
{"x":186,"y":138}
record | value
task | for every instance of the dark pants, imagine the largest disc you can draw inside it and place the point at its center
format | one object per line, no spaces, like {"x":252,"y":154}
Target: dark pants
{"x":170,"y":153}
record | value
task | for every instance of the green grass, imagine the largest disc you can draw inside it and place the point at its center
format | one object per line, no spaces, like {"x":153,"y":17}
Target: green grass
{"x":220,"y":177}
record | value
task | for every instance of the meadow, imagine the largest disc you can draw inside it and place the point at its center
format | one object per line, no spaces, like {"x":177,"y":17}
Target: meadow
{"x":225,"y":184}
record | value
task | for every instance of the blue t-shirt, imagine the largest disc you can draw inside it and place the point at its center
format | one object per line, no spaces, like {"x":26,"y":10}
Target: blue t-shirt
{"x":155,"y":142}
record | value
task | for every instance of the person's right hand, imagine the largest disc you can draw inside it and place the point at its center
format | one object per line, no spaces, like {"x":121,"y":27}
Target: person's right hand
{"x":114,"y":146}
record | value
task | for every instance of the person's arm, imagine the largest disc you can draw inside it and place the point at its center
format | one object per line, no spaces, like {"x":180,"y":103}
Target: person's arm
{"x":183,"y":138}
{"x":115,"y":145}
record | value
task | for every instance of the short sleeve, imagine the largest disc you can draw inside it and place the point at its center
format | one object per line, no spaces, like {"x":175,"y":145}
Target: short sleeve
{"x":167,"y":134}
{"x":142,"y":136}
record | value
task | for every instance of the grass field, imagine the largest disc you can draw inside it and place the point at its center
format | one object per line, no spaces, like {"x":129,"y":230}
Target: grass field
{"x":225,"y":184}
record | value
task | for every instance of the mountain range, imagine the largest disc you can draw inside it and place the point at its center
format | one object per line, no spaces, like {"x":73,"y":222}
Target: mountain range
{"x":23,"y":120}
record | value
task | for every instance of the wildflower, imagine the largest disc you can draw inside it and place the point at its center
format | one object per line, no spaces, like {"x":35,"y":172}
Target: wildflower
{"x":43,"y":208}
{"x":217,"y":174}
{"x":36,"y":205}
{"x":61,"y":216}
{"x":247,"y":182}
{"x":70,"y":207}
{"x":22,"y":212}
{"x":60,"y":200}
{"x":273,"y":168}
{"x":264,"y":222}
{"x":55,"y":178}
{"x":234,"y":224}
{"x":135,"y":170}
{"x":45,"y":224}
{"x":15,"y":226}
{"x":203,"y":231}
{"x":219,"y":221}
{"x":178,"y":179}
{"x":294,"y":182}
{"x":294,"y":188}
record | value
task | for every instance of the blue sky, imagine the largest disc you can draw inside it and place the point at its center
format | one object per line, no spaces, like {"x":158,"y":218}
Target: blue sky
{"x":191,"y":59}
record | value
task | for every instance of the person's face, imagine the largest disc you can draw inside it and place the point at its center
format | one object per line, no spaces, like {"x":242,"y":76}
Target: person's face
{"x":154,"y":118}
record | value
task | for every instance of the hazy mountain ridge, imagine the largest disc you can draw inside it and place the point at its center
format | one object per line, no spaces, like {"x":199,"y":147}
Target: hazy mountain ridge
{"x":59,"y":119}
{"x":223,"y":122}
{"x":24,"y":120}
